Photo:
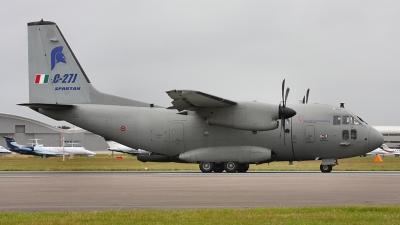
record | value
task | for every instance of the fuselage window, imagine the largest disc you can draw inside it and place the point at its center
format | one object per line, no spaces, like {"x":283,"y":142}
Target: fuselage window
{"x":353,"y":134}
{"x":336,"y":120}
{"x":345,"y":134}
{"x":346,"y":120}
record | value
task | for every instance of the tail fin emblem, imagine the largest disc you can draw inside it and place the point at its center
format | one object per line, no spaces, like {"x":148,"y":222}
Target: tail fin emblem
{"x":57,"y":56}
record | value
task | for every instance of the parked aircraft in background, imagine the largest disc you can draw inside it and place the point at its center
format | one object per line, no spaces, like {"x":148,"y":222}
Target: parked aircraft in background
{"x":214,"y":132}
{"x":382,"y":150}
{"x":58,"y":151}
{"x":17,"y":148}
{"x":396,"y":152}
{"x":71,"y":151}
{"x":4,"y":151}
{"x":117,"y":147}
{"x":45,"y":152}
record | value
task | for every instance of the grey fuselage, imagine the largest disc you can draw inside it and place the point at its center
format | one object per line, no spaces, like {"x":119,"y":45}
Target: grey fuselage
{"x":311,"y":135}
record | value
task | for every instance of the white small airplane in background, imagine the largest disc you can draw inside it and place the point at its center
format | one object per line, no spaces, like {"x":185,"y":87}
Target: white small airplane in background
{"x":4,"y":151}
{"x":383,"y":150}
{"x":59,"y":151}
{"x":396,"y":152}
{"x":117,"y":147}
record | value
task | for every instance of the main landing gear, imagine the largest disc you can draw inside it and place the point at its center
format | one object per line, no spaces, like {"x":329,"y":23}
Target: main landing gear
{"x":325,"y":168}
{"x":229,"y":167}
{"x":327,"y":164}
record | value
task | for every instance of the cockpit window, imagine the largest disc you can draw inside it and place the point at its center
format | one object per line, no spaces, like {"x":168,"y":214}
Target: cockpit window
{"x":346,"y":120}
{"x":336,"y":120}
{"x":354,"y":121}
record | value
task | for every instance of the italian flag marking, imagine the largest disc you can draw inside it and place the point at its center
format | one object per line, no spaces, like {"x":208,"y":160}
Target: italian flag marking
{"x":42,"y":78}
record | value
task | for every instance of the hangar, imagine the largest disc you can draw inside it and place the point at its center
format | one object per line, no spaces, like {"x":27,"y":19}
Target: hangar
{"x":24,"y":129}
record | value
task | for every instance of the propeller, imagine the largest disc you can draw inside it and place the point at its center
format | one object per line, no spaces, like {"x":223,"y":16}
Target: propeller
{"x":284,"y":112}
{"x":305,"y":98}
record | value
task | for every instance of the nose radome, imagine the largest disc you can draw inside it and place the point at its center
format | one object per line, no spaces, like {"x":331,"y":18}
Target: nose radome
{"x":375,"y":139}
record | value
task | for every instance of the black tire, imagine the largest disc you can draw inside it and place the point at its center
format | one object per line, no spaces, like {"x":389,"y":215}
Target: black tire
{"x":206,"y":167}
{"x":218,"y":167}
{"x":243,"y":167}
{"x":325,"y":168}
{"x":231,"y":167}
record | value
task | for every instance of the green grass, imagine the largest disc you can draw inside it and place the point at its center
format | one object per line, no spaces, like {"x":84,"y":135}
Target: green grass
{"x":130,"y":163}
{"x":306,"y":215}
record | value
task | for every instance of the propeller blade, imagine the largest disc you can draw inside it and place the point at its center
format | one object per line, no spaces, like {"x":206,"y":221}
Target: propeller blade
{"x":285,"y":113}
{"x":304,"y":99}
{"x":308,"y":92}
{"x":283,"y":90}
{"x":287,"y":93}
{"x":283,"y":127}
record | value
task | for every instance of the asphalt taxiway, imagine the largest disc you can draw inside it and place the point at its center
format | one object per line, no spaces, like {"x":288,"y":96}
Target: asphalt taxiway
{"x":83,"y":191}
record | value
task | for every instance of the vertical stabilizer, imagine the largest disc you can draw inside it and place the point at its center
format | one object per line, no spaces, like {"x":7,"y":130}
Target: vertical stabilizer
{"x":11,"y":144}
{"x":55,"y":75}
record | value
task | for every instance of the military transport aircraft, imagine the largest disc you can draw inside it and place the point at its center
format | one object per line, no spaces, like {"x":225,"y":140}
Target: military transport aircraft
{"x":217,"y":133}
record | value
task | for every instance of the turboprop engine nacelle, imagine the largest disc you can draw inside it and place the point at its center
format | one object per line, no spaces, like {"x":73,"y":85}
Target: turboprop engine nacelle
{"x":252,"y":116}
{"x":240,"y":154}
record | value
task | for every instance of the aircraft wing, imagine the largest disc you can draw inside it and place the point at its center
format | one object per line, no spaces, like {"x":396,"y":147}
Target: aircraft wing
{"x":192,"y":100}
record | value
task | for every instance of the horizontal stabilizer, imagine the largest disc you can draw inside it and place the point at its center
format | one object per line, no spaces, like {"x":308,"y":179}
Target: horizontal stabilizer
{"x":46,"y":106}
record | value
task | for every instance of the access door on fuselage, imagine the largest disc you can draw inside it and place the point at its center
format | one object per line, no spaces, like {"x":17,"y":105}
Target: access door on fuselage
{"x":310,"y":134}
{"x":176,"y":138}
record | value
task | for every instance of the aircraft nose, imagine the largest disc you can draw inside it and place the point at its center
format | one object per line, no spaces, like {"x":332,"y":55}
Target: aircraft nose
{"x":375,"y":139}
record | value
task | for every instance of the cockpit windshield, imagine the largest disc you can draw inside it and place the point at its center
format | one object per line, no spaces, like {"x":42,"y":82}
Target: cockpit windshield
{"x":361,"y":120}
{"x":346,"y":120}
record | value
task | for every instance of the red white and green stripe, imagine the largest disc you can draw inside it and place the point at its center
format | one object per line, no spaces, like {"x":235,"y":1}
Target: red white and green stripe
{"x":42,"y":78}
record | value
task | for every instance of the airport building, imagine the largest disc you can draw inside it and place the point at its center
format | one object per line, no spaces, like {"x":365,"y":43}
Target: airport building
{"x":391,"y":135}
{"x":24,"y":130}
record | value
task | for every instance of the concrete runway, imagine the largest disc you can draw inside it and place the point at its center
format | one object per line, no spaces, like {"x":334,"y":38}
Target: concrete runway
{"x":84,"y":191}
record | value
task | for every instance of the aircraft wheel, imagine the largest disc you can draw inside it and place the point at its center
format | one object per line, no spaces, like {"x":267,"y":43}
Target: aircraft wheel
{"x":325,"y":168}
{"x":243,"y":167}
{"x":206,"y":167}
{"x":231,"y":167}
{"x":218,"y":167}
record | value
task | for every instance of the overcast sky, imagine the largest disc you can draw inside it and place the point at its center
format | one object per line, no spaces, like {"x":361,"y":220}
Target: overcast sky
{"x":344,"y":51}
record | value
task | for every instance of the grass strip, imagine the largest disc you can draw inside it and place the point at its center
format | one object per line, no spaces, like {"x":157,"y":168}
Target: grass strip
{"x":306,"y":215}
{"x":130,"y":163}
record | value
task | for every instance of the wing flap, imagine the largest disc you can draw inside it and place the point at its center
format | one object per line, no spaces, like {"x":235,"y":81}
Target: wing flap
{"x":192,"y":100}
